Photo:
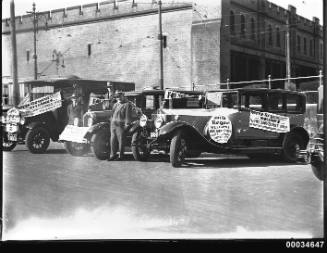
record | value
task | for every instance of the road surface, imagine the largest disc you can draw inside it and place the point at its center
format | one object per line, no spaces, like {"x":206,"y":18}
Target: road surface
{"x":58,"y":196}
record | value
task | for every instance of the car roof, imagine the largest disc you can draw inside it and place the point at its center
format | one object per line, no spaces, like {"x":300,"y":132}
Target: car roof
{"x":258,"y":90}
{"x":67,"y":82}
{"x":145,"y":92}
{"x":196,"y":92}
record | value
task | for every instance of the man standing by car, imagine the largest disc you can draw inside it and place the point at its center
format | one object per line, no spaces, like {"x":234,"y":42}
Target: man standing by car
{"x":123,"y":114}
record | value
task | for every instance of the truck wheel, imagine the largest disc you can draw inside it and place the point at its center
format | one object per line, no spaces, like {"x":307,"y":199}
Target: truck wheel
{"x":76,"y":149}
{"x":178,"y":150}
{"x":100,"y":144}
{"x":37,"y":140}
{"x":6,"y":144}
{"x":292,"y":144}
{"x":139,"y":147}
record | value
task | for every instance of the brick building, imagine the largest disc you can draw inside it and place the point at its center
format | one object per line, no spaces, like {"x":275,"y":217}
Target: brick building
{"x":207,"y":42}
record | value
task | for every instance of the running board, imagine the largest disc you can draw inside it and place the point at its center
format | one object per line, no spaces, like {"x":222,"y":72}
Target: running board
{"x":257,"y":150}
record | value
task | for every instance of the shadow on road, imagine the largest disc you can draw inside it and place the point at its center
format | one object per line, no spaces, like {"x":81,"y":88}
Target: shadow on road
{"x":227,"y":162}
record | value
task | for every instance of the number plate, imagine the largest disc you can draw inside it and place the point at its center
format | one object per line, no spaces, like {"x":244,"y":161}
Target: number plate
{"x":153,"y":135}
{"x":12,"y":137}
{"x":11,"y":128}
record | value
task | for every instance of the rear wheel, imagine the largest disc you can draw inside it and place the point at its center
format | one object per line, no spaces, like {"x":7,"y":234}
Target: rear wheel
{"x":292,"y":145}
{"x":76,"y":149}
{"x":139,"y":147}
{"x":178,"y":150}
{"x":100,"y":144}
{"x":37,"y":140}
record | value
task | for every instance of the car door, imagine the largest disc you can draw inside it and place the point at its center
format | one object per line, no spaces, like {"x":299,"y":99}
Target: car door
{"x":251,"y":104}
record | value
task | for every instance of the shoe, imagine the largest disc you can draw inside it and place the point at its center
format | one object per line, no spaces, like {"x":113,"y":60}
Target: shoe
{"x":120,"y":158}
{"x":113,"y":158}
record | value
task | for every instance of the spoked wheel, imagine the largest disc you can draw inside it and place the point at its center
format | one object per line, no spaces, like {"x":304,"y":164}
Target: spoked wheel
{"x":139,"y":146}
{"x":6,"y":144}
{"x":178,"y":150}
{"x":100,"y":144}
{"x":76,"y":149}
{"x":37,"y":140}
{"x":291,"y":147}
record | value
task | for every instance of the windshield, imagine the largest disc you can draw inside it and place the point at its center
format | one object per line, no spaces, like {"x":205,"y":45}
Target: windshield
{"x":221,"y":99}
{"x":98,"y":102}
{"x":182,"y":100}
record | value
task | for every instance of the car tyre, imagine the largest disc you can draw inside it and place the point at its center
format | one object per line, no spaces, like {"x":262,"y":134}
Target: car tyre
{"x":178,"y":150}
{"x":76,"y":149}
{"x":139,"y":147}
{"x":37,"y":140}
{"x":100,"y":144}
{"x":291,"y":146}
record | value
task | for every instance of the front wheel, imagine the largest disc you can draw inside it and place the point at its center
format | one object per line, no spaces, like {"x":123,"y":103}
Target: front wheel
{"x":76,"y":149}
{"x":139,"y":147}
{"x":178,"y":150}
{"x":100,"y":144}
{"x":37,"y":140}
{"x":6,"y":144}
{"x":292,"y":145}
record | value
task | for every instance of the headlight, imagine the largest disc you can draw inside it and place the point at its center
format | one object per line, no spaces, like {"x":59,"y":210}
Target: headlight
{"x":76,"y":121}
{"x":3,"y":119}
{"x":89,"y":122}
{"x":158,"y":122}
{"x":22,"y":121}
{"x":143,"y":120}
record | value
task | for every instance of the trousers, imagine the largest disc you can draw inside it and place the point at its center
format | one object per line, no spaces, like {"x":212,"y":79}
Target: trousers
{"x":117,"y":140}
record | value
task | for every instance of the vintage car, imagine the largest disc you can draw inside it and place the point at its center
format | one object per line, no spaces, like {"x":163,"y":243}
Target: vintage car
{"x":147,"y":100}
{"x":44,"y":114}
{"x":80,"y":130}
{"x":317,"y":144}
{"x":39,"y":117}
{"x":240,"y":121}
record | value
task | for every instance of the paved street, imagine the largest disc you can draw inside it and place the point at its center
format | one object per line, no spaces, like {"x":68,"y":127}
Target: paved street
{"x":57,"y":196}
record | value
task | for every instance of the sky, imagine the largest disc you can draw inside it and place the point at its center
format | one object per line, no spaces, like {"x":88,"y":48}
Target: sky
{"x":306,"y":8}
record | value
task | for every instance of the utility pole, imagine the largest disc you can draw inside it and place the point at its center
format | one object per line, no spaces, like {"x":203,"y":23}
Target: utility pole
{"x":34,"y":40}
{"x":34,"y":31}
{"x":288,"y":52}
{"x":160,"y":37}
{"x":14,"y":55}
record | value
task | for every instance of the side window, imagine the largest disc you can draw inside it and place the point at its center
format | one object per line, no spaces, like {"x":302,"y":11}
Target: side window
{"x":294,"y":104}
{"x":275,"y":102}
{"x":149,"y":102}
{"x":253,"y":102}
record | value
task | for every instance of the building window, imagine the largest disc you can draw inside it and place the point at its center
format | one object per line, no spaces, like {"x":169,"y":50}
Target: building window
{"x":298,"y":43}
{"x":311,"y":48}
{"x":252,"y":29}
{"x":88,"y":49}
{"x":278,"y":37}
{"x":270,"y":36}
{"x":242,"y":26}
{"x":305,"y":46}
{"x":28,"y":55}
{"x":232,"y":22}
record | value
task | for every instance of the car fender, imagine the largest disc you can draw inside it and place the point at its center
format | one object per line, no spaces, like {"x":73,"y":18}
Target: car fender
{"x":96,"y":128}
{"x":301,"y":132}
{"x":170,"y":128}
{"x":35,"y":124}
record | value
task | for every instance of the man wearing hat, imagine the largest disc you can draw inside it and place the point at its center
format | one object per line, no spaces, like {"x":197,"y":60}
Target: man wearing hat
{"x":123,"y":114}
